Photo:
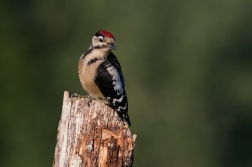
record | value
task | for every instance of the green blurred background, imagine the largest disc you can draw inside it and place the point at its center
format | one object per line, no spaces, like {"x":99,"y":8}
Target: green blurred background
{"x":188,"y":70}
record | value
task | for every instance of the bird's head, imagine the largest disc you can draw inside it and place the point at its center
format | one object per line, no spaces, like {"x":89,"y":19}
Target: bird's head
{"x":103,"y":40}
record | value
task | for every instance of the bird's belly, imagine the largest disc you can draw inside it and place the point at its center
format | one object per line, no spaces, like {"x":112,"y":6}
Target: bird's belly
{"x":87,"y":78}
{"x":91,"y":88}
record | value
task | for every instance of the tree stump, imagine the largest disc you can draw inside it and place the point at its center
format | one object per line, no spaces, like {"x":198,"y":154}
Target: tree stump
{"x":90,"y":134}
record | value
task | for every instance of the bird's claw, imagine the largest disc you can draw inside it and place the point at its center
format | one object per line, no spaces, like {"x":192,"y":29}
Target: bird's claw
{"x":76,"y":95}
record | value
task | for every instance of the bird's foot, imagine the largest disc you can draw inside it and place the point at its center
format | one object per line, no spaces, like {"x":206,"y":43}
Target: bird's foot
{"x":90,"y":98}
{"x":76,"y":95}
{"x":97,"y":99}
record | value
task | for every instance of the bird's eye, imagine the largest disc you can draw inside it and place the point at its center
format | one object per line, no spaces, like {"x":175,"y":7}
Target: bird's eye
{"x":100,"y":38}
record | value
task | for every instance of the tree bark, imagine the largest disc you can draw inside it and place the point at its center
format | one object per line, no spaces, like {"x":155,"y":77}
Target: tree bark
{"x":90,"y":134}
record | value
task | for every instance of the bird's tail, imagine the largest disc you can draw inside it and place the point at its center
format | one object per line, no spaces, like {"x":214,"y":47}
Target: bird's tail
{"x":126,"y":118}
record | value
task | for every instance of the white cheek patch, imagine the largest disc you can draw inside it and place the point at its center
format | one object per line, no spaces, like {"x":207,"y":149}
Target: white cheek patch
{"x":116,"y":80}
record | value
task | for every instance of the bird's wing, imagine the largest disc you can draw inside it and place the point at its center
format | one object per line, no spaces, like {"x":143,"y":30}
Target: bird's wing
{"x":112,"y":58}
{"x":109,"y":81}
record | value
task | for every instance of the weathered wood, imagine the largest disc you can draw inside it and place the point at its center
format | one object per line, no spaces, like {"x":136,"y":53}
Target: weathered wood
{"x":90,"y":134}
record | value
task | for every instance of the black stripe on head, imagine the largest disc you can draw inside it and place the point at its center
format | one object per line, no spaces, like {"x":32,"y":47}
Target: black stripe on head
{"x":98,"y":34}
{"x":100,"y":46}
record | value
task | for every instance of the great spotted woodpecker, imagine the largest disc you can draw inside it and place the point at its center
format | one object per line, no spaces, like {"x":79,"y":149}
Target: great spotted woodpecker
{"x":101,"y":75}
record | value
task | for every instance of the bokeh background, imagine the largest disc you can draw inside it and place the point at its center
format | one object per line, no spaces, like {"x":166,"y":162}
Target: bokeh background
{"x":188,"y":70}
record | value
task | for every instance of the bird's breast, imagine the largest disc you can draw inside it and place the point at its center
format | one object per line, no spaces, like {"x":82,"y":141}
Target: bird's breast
{"x":87,"y":75}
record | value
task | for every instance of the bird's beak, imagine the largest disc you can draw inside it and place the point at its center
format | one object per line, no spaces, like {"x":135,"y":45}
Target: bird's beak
{"x":112,"y":46}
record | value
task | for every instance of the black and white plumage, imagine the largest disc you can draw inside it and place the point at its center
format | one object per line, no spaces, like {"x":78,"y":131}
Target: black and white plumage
{"x":101,"y":75}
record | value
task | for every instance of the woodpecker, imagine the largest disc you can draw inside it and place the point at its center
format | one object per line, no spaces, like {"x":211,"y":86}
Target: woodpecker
{"x":101,"y":75}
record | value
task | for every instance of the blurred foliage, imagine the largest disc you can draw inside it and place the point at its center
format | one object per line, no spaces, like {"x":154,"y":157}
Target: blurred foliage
{"x":188,"y":67}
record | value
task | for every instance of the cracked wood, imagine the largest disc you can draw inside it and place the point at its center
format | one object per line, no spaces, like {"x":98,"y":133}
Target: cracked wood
{"x":92,"y":135}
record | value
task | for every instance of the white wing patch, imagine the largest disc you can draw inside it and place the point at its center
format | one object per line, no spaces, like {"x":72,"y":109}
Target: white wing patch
{"x":118,"y":100}
{"x":116,"y":80}
{"x":124,"y":108}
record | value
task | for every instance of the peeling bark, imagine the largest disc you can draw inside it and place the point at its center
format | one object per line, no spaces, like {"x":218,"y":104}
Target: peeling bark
{"x":90,"y":134}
